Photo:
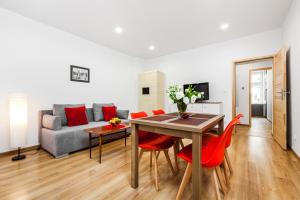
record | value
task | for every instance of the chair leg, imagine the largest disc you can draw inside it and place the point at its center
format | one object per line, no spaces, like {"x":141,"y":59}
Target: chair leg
{"x":221,"y":179}
{"x":151,"y":159}
{"x":223,"y":165}
{"x":157,"y":155}
{"x":141,"y":154}
{"x":228,"y":162}
{"x":185,"y":181}
{"x":169,"y":161}
{"x":181,"y":143}
{"x":176,"y":150}
{"x":216,"y":184}
{"x":155,"y":171}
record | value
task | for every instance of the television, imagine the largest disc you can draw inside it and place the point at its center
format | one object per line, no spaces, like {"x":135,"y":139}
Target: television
{"x":200,"y":87}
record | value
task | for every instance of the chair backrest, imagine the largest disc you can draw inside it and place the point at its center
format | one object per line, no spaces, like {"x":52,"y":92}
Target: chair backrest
{"x":138,"y":115}
{"x":158,"y":112}
{"x":235,"y":121}
{"x":217,"y":156}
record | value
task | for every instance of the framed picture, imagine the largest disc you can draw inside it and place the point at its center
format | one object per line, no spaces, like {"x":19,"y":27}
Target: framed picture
{"x":80,"y":74}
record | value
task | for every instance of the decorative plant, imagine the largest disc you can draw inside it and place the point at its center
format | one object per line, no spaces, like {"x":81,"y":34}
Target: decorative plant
{"x":182,"y":99}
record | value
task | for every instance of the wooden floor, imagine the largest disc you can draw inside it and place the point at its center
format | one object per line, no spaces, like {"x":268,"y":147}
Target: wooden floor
{"x":261,"y":171}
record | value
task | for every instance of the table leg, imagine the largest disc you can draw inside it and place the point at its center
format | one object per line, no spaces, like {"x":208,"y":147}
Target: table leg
{"x":100,"y":148}
{"x":134,"y":157}
{"x":221,"y":126}
{"x":197,"y":167}
{"x":125,"y":136}
{"x":90,"y":144}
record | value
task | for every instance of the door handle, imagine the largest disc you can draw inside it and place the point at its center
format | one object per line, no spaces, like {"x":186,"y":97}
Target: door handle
{"x":284,"y":93}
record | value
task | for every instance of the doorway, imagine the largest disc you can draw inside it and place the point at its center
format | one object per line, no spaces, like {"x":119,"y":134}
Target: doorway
{"x":261,"y":100}
{"x":250,"y":86}
{"x":242,"y":88}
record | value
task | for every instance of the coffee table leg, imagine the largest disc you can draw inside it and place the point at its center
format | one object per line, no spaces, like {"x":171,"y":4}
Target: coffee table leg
{"x":90,"y":144}
{"x":100,"y":148}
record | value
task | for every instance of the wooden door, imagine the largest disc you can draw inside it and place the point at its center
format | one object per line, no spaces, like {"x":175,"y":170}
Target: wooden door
{"x":279,"y":98}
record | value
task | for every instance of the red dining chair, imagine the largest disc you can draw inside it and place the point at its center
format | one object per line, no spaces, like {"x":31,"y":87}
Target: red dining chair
{"x":210,"y":138}
{"x":154,"y":143}
{"x":212,"y":157}
{"x":177,"y":139}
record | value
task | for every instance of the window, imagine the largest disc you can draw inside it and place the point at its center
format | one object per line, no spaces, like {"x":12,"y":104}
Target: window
{"x":258,"y":87}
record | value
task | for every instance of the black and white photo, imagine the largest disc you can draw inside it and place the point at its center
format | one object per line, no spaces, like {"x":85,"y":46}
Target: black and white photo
{"x":80,"y":74}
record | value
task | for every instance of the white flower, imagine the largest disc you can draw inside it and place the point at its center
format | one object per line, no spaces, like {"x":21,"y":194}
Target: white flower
{"x":193,"y":99}
{"x":179,"y":95}
{"x":200,"y":95}
{"x":186,"y":100}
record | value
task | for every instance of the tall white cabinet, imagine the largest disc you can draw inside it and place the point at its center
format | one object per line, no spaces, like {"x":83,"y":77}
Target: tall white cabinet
{"x":151,"y":86}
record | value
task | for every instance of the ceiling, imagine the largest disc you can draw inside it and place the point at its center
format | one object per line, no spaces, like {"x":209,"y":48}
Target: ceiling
{"x":169,"y":25}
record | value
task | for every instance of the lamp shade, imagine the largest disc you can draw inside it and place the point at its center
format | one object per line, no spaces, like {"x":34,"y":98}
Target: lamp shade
{"x":18,"y":120}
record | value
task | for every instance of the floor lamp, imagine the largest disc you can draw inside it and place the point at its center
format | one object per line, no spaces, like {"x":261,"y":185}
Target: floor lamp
{"x":18,"y":123}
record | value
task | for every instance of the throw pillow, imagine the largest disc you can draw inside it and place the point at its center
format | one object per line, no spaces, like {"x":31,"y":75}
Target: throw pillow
{"x":76,"y":116}
{"x":97,"y":109}
{"x":123,"y":114}
{"x":109,"y":112}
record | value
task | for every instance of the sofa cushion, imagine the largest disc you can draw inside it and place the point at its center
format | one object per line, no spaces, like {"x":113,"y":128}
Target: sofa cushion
{"x":51,"y":122}
{"x":76,"y":116}
{"x":122,"y":114}
{"x":59,"y":110}
{"x":90,"y":114}
{"x":109,"y":112}
{"x":97,"y":108}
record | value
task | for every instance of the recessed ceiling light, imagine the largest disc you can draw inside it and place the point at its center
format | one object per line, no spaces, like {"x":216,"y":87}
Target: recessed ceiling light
{"x":118,"y":30}
{"x":224,"y":27}
{"x":151,"y":47}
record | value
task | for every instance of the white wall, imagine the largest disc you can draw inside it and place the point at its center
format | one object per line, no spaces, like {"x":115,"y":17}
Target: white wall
{"x":270,"y":95}
{"x":243,"y":87}
{"x":291,"y":36}
{"x":35,"y":59}
{"x":213,"y":63}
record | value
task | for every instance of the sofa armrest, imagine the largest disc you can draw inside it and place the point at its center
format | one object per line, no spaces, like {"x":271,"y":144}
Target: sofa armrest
{"x":52,"y":122}
{"x":123,"y":114}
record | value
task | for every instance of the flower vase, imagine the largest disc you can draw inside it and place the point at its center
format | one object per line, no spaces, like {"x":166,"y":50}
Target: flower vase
{"x":181,"y":106}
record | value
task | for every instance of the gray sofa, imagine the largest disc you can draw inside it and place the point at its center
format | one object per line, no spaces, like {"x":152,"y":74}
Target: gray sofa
{"x":60,"y":140}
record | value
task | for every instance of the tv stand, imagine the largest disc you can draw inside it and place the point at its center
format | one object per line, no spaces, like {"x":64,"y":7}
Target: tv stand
{"x":210,"y":107}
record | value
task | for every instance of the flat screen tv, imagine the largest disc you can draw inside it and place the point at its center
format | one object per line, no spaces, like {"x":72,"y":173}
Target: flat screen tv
{"x":200,"y":87}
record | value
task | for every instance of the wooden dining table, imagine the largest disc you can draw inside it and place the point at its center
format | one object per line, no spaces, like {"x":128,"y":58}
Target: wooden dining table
{"x":170,"y":124}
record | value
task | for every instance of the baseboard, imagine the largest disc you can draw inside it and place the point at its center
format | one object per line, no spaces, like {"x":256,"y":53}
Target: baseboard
{"x":297,"y":156}
{"x":25,"y":149}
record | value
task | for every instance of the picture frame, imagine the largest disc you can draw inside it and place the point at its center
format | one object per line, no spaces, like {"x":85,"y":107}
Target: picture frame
{"x":79,"y":74}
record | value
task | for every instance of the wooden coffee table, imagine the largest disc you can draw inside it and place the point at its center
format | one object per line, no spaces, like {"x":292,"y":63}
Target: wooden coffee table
{"x":99,"y":132}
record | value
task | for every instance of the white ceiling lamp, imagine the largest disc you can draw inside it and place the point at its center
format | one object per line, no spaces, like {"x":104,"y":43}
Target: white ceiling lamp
{"x":224,"y":27}
{"x":118,"y":30}
{"x":151,"y":47}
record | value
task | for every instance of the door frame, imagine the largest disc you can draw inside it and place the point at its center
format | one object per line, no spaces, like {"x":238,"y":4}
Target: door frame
{"x":250,"y":87}
{"x":247,"y":60}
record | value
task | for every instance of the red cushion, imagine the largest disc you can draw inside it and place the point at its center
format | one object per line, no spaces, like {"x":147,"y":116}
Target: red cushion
{"x":158,"y":112}
{"x":76,"y":116}
{"x":109,"y":112}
